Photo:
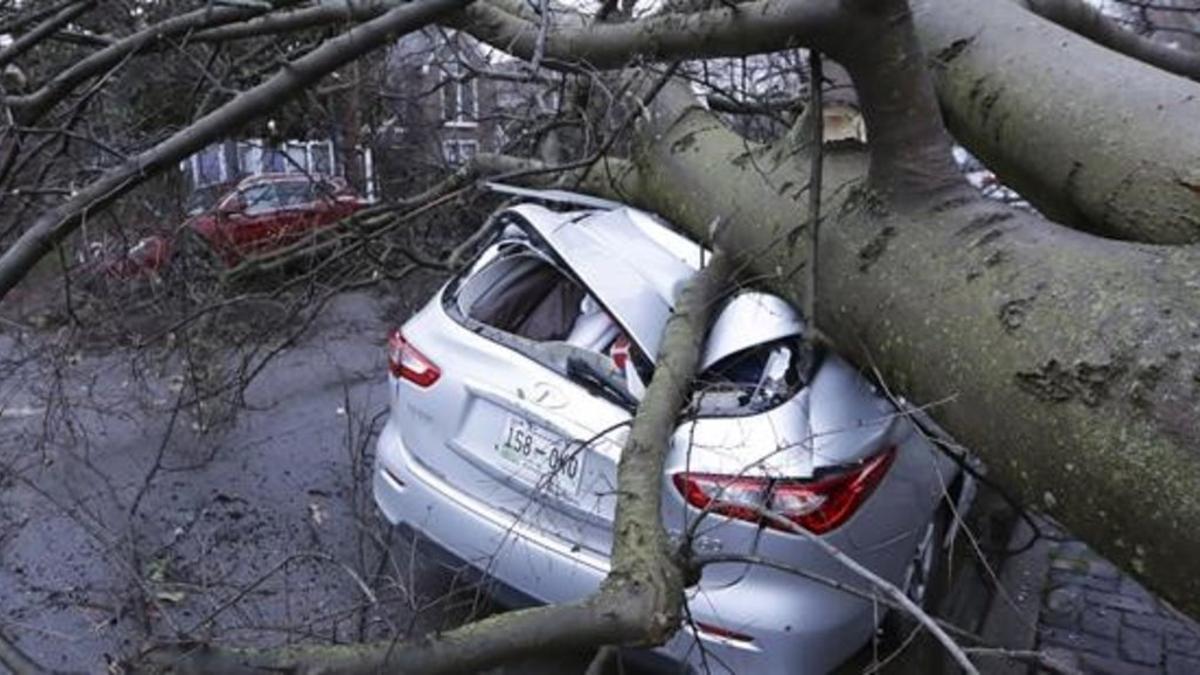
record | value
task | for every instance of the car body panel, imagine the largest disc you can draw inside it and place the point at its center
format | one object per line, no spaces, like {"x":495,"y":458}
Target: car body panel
{"x":464,"y":412}
{"x":144,"y":259}
{"x":771,"y":317}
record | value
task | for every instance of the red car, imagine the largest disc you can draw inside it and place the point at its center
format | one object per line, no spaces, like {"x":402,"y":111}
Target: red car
{"x":261,"y":213}
{"x":272,"y":210}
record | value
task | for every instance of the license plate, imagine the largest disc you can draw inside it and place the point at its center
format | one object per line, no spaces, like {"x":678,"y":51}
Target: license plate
{"x":541,"y":457}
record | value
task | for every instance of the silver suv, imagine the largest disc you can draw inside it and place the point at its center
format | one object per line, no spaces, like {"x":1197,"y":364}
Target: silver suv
{"x":511,"y":396}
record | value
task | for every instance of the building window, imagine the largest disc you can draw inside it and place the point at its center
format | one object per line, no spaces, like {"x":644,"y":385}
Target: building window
{"x":295,"y":157}
{"x":250,"y":157}
{"x":273,"y":160}
{"x":208,"y":166}
{"x":459,"y":151}
{"x":460,"y":100}
{"x":320,"y":157}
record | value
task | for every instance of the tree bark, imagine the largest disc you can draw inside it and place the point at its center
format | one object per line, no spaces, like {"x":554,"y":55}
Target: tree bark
{"x":1071,"y":362}
{"x":1046,"y":109}
{"x":1094,"y":139}
{"x":1090,"y":22}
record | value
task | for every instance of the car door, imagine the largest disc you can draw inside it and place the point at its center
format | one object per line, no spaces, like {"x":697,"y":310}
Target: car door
{"x":246,"y":227}
{"x":300,"y":211}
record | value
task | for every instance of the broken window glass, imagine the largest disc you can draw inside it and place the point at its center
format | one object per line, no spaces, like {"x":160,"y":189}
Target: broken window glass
{"x":518,"y":290}
{"x":755,"y":379}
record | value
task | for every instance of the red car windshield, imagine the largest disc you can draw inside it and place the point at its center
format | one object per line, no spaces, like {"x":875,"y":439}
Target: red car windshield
{"x":266,"y":197}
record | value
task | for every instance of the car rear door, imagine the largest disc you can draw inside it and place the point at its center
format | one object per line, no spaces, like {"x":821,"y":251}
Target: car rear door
{"x":307,"y":205}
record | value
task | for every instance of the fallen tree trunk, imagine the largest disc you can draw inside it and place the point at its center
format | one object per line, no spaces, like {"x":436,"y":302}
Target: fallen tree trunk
{"x":1071,"y":363}
{"x":1048,"y":110}
{"x":1094,"y":139}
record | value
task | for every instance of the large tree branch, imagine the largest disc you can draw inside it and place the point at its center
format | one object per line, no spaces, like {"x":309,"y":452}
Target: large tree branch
{"x":1070,"y":153}
{"x":55,"y":224}
{"x":1081,"y":350}
{"x":1050,"y":112}
{"x":765,"y":25}
{"x":1090,"y":22}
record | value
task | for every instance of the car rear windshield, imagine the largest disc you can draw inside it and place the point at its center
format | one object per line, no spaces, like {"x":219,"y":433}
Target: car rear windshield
{"x":754,"y":380}
{"x":522,"y":294}
{"x":526,"y":301}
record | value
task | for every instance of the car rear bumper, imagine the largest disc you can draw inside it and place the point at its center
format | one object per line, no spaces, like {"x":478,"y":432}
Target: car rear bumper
{"x":797,"y":626}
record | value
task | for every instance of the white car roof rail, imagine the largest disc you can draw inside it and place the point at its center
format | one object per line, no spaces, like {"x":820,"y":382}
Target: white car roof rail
{"x":558,"y":196}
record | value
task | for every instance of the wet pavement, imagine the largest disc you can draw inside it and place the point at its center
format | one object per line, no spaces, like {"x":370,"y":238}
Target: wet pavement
{"x":123,"y":524}
{"x":262,"y":531}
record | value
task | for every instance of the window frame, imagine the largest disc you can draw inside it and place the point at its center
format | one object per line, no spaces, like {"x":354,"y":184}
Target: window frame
{"x":457,"y":157}
{"x":222,"y":167}
{"x":454,"y":86}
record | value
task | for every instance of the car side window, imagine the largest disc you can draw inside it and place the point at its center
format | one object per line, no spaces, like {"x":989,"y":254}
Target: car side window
{"x":294,"y":194}
{"x":259,"y":199}
{"x":325,"y":191}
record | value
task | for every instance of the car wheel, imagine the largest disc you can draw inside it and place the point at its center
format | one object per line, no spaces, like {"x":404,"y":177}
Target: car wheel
{"x":925,"y":582}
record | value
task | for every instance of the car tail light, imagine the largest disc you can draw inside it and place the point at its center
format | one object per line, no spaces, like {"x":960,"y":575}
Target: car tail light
{"x":713,"y":629}
{"x":407,"y":363}
{"x":818,"y":505}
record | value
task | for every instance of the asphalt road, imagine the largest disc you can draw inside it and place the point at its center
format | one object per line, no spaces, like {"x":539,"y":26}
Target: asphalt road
{"x":123,"y":525}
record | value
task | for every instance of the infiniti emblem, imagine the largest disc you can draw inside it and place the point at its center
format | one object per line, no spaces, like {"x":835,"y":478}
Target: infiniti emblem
{"x":547,"y":396}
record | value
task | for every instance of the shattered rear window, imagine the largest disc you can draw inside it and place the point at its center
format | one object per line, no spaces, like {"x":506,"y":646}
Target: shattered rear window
{"x":754,"y":380}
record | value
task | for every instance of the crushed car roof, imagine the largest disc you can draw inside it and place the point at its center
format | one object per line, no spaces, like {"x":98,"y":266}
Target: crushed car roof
{"x":634,"y":266}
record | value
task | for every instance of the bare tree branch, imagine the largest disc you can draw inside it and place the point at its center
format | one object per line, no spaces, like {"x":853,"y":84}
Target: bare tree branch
{"x":52,"y":226}
{"x":17,"y":25}
{"x":29,"y":108}
{"x":43,"y":31}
